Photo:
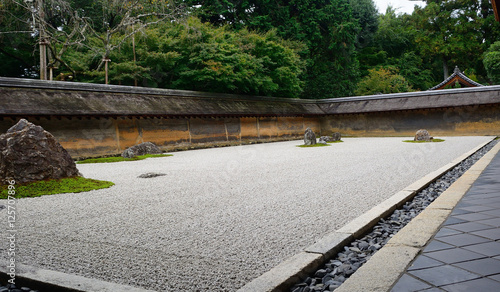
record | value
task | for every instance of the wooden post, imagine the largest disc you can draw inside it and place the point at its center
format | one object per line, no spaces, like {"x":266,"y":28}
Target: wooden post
{"x":106,"y":70}
{"x":43,"y":42}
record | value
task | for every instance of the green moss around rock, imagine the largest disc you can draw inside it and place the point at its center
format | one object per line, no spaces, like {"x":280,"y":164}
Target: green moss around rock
{"x":433,"y":140}
{"x":339,"y":141}
{"x":119,"y":158}
{"x":56,"y":186}
{"x":315,"y":145}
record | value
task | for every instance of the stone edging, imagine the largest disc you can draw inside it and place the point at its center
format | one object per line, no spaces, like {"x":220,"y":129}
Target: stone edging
{"x":46,"y":280}
{"x":290,"y":271}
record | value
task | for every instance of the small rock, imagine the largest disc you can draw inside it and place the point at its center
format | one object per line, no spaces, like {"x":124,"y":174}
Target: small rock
{"x":336,"y":137}
{"x":422,"y":135}
{"x":309,"y":137}
{"x":308,"y":280}
{"x":150,"y":175}
{"x":321,"y":273}
{"x":141,"y":149}
{"x":325,"y":138}
{"x":363,"y":245}
{"x":326,"y":279}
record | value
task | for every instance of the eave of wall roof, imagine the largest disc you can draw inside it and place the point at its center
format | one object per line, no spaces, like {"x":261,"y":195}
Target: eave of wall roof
{"x":22,"y":97}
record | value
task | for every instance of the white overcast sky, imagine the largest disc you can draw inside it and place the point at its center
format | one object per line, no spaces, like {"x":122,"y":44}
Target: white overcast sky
{"x":402,"y":6}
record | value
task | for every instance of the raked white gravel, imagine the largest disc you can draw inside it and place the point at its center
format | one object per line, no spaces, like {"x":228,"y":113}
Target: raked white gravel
{"x":220,"y":217}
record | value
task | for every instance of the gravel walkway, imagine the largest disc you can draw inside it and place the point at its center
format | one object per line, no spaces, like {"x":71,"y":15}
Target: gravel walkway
{"x":219,"y":217}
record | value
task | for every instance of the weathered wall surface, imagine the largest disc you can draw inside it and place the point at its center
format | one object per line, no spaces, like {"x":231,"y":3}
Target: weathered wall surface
{"x":91,"y":137}
{"x":96,"y":120}
{"x":455,"y":121}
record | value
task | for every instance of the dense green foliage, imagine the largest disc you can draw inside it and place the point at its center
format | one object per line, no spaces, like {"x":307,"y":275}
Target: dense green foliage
{"x":326,"y":27}
{"x":56,"y":186}
{"x":299,"y":48}
{"x":492,"y":62}
{"x":455,"y":32}
{"x":119,"y":158}
{"x":383,"y":81}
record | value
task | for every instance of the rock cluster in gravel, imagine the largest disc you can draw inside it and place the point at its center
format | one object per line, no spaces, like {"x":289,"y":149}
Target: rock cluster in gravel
{"x":338,"y":269}
{"x":13,"y":288}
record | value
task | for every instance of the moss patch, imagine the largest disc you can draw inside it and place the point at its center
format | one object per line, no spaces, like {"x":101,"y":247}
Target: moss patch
{"x":119,"y":158}
{"x":55,"y":186}
{"x":315,"y":145}
{"x":433,"y":140}
{"x":339,"y":141}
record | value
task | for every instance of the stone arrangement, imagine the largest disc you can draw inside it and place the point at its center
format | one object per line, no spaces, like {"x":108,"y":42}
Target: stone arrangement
{"x":337,"y":270}
{"x":141,"y":149}
{"x":309,"y":137}
{"x":29,"y":153}
{"x":423,"y":135}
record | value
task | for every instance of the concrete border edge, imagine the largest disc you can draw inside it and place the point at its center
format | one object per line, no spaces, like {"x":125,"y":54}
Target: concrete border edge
{"x":47,"y":280}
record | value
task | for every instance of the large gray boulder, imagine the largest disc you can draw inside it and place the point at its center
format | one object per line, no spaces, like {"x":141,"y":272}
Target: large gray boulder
{"x":336,"y":137}
{"x":422,"y":135}
{"x":141,"y":149}
{"x":29,"y":153}
{"x":309,"y":137}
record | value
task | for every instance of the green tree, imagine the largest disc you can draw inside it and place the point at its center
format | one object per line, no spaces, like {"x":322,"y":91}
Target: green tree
{"x":195,"y":56}
{"x":383,"y":81}
{"x":327,"y":27}
{"x":365,"y":12}
{"x":492,"y":62}
{"x":16,"y":51}
{"x":456,"y":32}
{"x":65,"y":24}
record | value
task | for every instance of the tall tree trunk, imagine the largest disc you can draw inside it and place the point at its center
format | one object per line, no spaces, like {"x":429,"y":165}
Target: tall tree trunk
{"x":43,"y":40}
{"x":446,"y":70}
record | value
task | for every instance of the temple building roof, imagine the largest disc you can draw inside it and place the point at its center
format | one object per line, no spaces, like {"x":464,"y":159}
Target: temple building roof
{"x":459,"y":77}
